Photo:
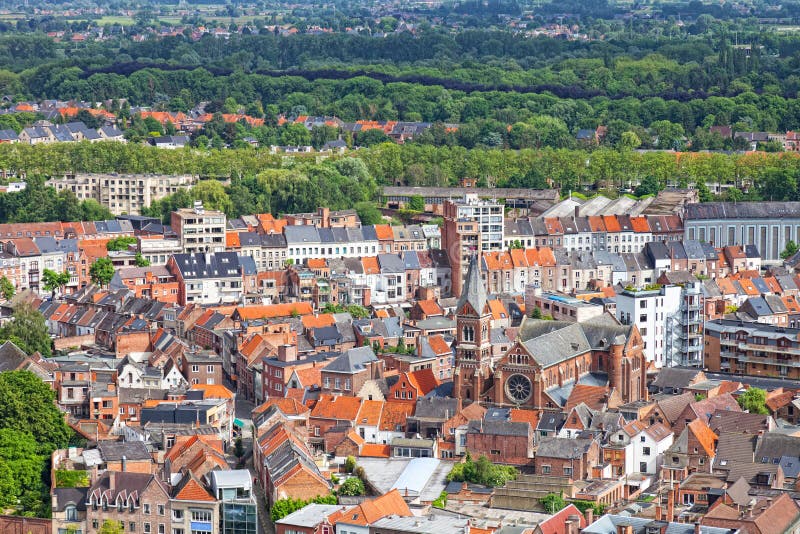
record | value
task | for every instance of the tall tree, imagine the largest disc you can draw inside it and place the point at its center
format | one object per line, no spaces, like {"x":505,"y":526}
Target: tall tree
{"x":28,"y":330}
{"x":102,"y":271}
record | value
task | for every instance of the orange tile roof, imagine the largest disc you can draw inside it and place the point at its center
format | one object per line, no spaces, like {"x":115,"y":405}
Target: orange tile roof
{"x":596,"y":223}
{"x":553,"y":225}
{"x":727,"y":386}
{"x":704,"y":435}
{"x":424,"y":381}
{"x":394,"y":414}
{"x":336,"y":407}
{"x":384,"y":232}
{"x":310,"y":376}
{"x":525,"y":416}
{"x":320,"y":321}
{"x":288,"y":406}
{"x":430,"y":307}
{"x":213,"y":391}
{"x":790,"y":301}
{"x":439,"y":345}
{"x":780,"y":400}
{"x":518,"y":257}
{"x":749,"y":287}
{"x":498,"y":310}
{"x":492,"y":261}
{"x":382,"y":314}
{"x":612,"y":223}
{"x":370,"y":264}
{"x":773,"y":285}
{"x":270,"y":311}
{"x":374,"y":450}
{"x":726,"y":286}
{"x":639,"y":224}
{"x":316,"y":263}
{"x":194,"y":491}
{"x":232,"y":240}
{"x":370,"y":511}
{"x":370,"y":413}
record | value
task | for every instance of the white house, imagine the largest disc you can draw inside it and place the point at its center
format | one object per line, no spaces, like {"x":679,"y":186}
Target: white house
{"x":648,"y":310}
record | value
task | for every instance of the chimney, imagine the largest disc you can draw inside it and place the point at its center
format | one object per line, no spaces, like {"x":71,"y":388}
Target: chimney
{"x":124,"y":463}
{"x":670,"y":505}
{"x":573,"y":524}
{"x":112,"y":481}
{"x":287,"y":353}
{"x":659,"y":513}
{"x":589,"y":515}
{"x":697,"y":527}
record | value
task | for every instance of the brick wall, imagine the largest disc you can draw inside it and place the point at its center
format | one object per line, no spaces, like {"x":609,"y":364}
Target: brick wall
{"x":63,"y":343}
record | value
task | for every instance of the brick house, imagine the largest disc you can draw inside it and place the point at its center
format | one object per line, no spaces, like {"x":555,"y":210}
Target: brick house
{"x":411,"y":386}
{"x":566,"y":457}
{"x":501,"y":441}
{"x":693,"y":451}
{"x":330,"y":412}
{"x":348,"y":373}
{"x":140,"y":501}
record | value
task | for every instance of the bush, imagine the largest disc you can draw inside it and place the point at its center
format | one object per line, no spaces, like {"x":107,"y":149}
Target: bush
{"x":284,"y":507}
{"x":352,"y":487}
{"x":482,"y":472}
{"x":441,"y":501}
{"x":349,"y":464}
{"x":71,"y":479}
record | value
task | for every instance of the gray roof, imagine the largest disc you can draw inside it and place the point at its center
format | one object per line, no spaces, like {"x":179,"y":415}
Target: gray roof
{"x":498,"y":428}
{"x":608,"y":525}
{"x":309,"y":516}
{"x":473,"y":292}
{"x":299,"y":234}
{"x":564,"y":448}
{"x":352,"y":361}
{"x":219,"y":265}
{"x":557,"y":346}
{"x":774,"y":446}
{"x":391,"y":263}
{"x":114,"y":451}
{"x":742,"y":210}
{"x":431,"y":524}
{"x":672,"y":377}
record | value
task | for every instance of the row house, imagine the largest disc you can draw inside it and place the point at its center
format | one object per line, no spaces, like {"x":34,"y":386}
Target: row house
{"x":152,"y":282}
{"x":611,"y":233}
{"x":285,"y":466}
{"x":267,"y":250}
{"x":307,"y":241}
{"x":752,"y":348}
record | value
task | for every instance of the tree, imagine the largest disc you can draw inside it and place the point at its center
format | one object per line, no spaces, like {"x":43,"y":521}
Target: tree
{"x":648,"y":186}
{"x":120,"y":243}
{"x":54,"y":281}
{"x":754,"y":400}
{"x":481,"y":472}
{"x":238,"y":449}
{"x":368,"y":213}
{"x":111,"y":527}
{"x":630,"y":140}
{"x":141,"y":261}
{"x":416,"y":203}
{"x":349,"y":464}
{"x":28,"y":331}
{"x":537,"y":313}
{"x":102,"y":271}
{"x":790,"y":250}
{"x":7,"y":289}
{"x":553,"y":503}
{"x":352,"y":487}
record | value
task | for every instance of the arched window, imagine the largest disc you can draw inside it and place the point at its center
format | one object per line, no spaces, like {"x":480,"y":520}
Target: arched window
{"x":468,"y":334}
{"x":71,"y":512}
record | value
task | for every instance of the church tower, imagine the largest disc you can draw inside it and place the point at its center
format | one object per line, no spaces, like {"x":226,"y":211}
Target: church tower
{"x":473,"y":345}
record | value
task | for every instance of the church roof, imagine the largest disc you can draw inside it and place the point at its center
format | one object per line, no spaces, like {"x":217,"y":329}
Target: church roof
{"x":473,"y":292}
{"x":559,"y":345}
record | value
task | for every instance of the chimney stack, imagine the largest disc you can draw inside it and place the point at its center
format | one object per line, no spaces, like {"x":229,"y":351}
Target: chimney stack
{"x":696,"y":527}
{"x":589,"y":515}
{"x":671,"y":505}
{"x":659,"y":513}
{"x":124,"y":463}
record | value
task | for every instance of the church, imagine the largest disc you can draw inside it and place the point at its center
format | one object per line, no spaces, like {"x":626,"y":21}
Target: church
{"x":547,"y":359}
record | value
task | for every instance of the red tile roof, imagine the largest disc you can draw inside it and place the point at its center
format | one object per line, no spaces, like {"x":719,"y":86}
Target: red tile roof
{"x":337,"y":407}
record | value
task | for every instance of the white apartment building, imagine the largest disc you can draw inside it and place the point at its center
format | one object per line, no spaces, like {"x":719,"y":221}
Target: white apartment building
{"x":199,"y":230}
{"x":122,"y":193}
{"x":649,"y":310}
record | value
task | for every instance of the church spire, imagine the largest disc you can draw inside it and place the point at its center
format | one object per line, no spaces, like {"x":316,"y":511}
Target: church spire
{"x":473,"y":292}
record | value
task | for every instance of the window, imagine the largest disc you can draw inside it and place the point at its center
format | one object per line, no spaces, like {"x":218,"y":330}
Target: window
{"x":646,"y":451}
{"x":643,"y":467}
{"x":210,"y":369}
{"x":545,"y":469}
{"x":94,"y":523}
{"x":146,"y":508}
{"x":160,"y":509}
{"x":195,"y":368}
{"x":177,"y":515}
{"x":146,"y":528}
{"x":177,"y":531}
{"x":132,"y":527}
{"x":162,"y":529}
{"x":71,"y":513}
{"x":567,"y":471}
{"x":201,"y":515}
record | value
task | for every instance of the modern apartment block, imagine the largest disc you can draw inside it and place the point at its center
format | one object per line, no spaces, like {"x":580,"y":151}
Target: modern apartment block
{"x":122,"y":193}
{"x":684,"y":332}
{"x":471,"y":226}
{"x":198,"y":229}
{"x":752,"y":349}
{"x":649,"y":309}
